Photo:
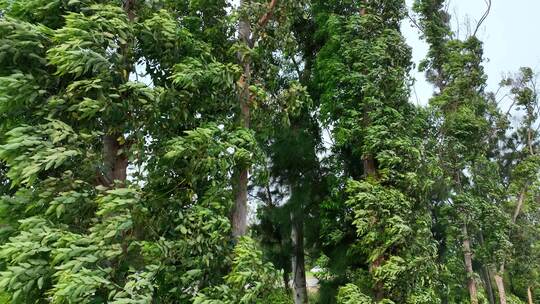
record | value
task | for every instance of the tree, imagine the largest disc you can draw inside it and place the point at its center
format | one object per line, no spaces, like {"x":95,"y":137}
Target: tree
{"x":362,"y":70}
{"x":80,"y":230}
{"x":467,"y":123}
{"x":134,"y":134}
{"x":519,"y":156}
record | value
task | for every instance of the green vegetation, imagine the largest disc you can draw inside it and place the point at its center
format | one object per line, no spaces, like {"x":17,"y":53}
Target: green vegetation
{"x":205,"y":152}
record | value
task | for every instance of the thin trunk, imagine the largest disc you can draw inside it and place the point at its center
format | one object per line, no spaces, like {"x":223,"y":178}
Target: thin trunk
{"x":489,"y":286}
{"x":471,"y":284}
{"x":370,"y":170}
{"x":129,"y":8}
{"x":529,"y":140}
{"x":499,"y":275}
{"x":486,"y":277}
{"x":266,"y":17}
{"x":519,"y":205}
{"x":517,"y":211}
{"x":286,"y":280}
{"x":239,"y":215}
{"x":500,"y":287}
{"x":298,"y":265}
{"x":529,"y":295}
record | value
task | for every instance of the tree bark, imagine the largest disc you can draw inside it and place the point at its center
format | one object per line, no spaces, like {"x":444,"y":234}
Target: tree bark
{"x":529,"y":295}
{"x":370,"y":169}
{"x":114,"y":160}
{"x":500,"y":288}
{"x":298,"y":263}
{"x":239,"y":213}
{"x":519,"y":205}
{"x":471,"y":284}
{"x":266,"y":17}
{"x":286,"y":280}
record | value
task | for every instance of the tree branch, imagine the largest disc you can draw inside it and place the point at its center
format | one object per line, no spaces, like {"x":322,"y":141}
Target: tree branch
{"x":483,"y":18}
{"x":415,"y":23}
{"x":266,"y":17}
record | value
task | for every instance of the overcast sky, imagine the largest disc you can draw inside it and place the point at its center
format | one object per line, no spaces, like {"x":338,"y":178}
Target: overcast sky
{"x":511,"y":36}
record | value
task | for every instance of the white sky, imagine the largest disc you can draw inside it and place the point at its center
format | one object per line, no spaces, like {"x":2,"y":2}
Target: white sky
{"x":510,"y":35}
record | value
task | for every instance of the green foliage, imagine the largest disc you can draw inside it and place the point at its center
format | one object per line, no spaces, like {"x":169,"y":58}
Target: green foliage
{"x":120,"y":141}
{"x":251,"y":280}
{"x":364,"y":64}
{"x":350,"y":294}
{"x":31,"y":150}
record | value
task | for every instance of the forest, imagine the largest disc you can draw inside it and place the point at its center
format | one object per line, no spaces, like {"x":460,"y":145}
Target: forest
{"x":261,"y":151}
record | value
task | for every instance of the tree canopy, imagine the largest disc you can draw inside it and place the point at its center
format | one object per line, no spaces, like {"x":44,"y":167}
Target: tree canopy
{"x":213,"y":152}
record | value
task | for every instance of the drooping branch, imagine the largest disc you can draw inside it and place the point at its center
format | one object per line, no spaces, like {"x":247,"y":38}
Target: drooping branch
{"x":484,"y":16}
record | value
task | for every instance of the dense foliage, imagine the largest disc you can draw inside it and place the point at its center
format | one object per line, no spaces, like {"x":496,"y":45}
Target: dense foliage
{"x":212,"y":152}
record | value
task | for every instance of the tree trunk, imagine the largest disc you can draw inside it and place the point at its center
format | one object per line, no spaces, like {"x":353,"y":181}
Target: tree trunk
{"x":500,"y":287}
{"x":471,"y":284}
{"x":519,"y":205}
{"x":239,"y":214}
{"x":114,"y":160}
{"x":489,"y":287}
{"x":486,"y":275}
{"x":529,"y":295}
{"x":378,"y":289}
{"x":298,"y":265}
{"x":499,"y":276}
{"x":370,"y":169}
{"x":286,"y":282}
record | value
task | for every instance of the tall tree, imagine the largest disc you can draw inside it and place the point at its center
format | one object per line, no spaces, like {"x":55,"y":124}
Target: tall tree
{"x":363,"y":73}
{"x":519,"y":156}
{"x":463,"y":110}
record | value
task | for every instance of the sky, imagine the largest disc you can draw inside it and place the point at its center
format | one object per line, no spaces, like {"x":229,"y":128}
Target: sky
{"x":510,"y":35}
